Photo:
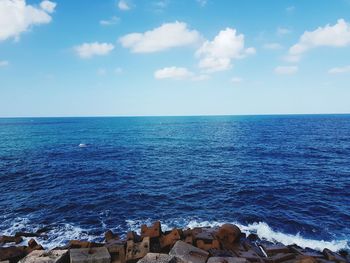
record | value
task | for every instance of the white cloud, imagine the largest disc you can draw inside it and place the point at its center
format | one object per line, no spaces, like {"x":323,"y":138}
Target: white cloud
{"x":17,"y":17}
{"x":273,"y":46}
{"x":4,"y":63}
{"x":236,"y":80}
{"x":283,"y":31}
{"x":177,"y":73}
{"x":123,"y":5}
{"x":166,"y":36}
{"x":286,"y":70}
{"x":217,"y":55}
{"x":87,"y":50}
{"x":112,"y":21}
{"x":337,"y":35}
{"x":48,"y":6}
{"x":338,"y":70}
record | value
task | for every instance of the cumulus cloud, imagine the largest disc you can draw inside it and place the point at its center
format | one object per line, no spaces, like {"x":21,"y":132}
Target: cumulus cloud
{"x":166,"y":36}
{"x":48,"y":6}
{"x":179,"y":73}
{"x":286,"y":70}
{"x":4,"y":63}
{"x":337,"y":35}
{"x":17,"y":17}
{"x":338,"y":70}
{"x":217,"y":55}
{"x":273,"y":46}
{"x":123,"y":5}
{"x":88,"y":50}
{"x":112,"y":21}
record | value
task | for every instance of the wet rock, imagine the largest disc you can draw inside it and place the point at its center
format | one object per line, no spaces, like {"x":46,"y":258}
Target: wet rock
{"x":250,"y":255}
{"x":207,"y":245}
{"x":26,"y":234}
{"x":10,"y":239}
{"x":188,"y":253}
{"x":41,"y":256}
{"x":228,"y":234}
{"x":333,"y":256}
{"x":221,"y":253}
{"x":253,"y":237}
{"x":13,"y":254}
{"x":153,"y":231}
{"x":275,"y":249}
{"x":131,"y":235}
{"x":280,"y":257}
{"x":135,"y":251}
{"x":82,"y":244}
{"x":168,"y":240}
{"x":157,"y":258}
{"x":90,"y":255}
{"x":116,"y":249}
{"x":227,"y":260}
{"x":305,"y":252}
{"x":204,"y":238}
{"x":42,"y":230}
{"x":109,"y":235}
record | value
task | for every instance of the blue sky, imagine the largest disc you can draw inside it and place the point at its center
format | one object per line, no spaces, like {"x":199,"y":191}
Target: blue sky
{"x":173,"y":57}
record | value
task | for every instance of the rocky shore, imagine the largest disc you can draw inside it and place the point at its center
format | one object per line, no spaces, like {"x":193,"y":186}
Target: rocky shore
{"x":224,"y":244}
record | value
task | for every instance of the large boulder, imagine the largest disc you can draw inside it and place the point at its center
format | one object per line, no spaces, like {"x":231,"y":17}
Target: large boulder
{"x":41,"y":256}
{"x":90,"y":255}
{"x":157,"y":258}
{"x":188,"y":253}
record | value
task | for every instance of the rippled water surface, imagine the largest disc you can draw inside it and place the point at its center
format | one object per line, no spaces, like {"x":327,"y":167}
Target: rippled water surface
{"x":82,"y":176}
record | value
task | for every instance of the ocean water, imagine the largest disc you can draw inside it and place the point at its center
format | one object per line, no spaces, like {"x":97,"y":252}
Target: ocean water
{"x":286,"y":178}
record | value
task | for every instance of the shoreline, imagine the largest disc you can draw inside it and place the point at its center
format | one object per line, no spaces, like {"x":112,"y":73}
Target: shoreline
{"x":225,"y":243}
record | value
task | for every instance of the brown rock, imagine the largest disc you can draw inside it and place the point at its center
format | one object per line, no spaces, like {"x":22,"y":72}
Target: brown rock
{"x":167,"y":241}
{"x":153,"y":231}
{"x":116,"y":249}
{"x":10,"y":239}
{"x":32,"y":243}
{"x":131,"y":235}
{"x":275,"y":249}
{"x":83,"y":244}
{"x":205,"y":245}
{"x":109,"y":235}
{"x":227,"y":260}
{"x":188,"y":254}
{"x":333,"y":256}
{"x":135,"y":251}
{"x":228,"y":234}
{"x":280,"y":257}
{"x":13,"y":254}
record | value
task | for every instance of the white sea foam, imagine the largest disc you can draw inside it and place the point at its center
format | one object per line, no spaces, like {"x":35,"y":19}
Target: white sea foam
{"x":262,"y":229}
{"x":82,"y":145}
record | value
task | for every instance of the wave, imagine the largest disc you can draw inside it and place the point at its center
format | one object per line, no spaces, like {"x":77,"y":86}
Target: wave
{"x":262,"y":229}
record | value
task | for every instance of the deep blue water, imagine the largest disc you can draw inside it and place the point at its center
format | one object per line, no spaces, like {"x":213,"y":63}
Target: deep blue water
{"x":290,"y":173}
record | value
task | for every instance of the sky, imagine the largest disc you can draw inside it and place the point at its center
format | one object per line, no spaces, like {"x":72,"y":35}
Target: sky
{"x":174,"y":57}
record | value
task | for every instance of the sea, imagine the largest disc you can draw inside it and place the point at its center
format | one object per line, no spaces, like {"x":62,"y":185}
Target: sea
{"x":285,"y":178}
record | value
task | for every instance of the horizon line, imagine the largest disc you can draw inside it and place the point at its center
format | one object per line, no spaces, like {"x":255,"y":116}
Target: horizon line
{"x":190,"y":115}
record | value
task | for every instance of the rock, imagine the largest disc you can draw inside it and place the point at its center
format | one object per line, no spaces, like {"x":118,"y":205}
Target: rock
{"x":13,"y":254}
{"x":10,"y":239}
{"x":205,"y":245}
{"x":305,"y":252}
{"x":116,"y":249}
{"x":41,"y":256}
{"x":43,"y":230}
{"x":90,"y":255}
{"x":280,"y":257}
{"x":228,"y":234}
{"x":250,"y":255}
{"x":153,"y":231}
{"x":135,"y":251}
{"x":83,"y":244}
{"x":188,"y":253}
{"x":274,"y":249}
{"x":131,"y":235}
{"x":227,"y":260}
{"x":6,"y":261}
{"x":167,"y":241}
{"x":333,"y":256}
{"x":26,"y":234}
{"x":157,"y":258}
{"x":32,"y":243}
{"x":109,"y":235}
{"x":305,"y":259}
